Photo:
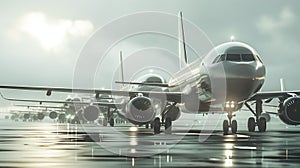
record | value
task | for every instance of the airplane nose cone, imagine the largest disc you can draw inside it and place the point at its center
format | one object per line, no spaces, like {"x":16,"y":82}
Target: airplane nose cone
{"x":242,"y":80}
{"x":239,"y":71}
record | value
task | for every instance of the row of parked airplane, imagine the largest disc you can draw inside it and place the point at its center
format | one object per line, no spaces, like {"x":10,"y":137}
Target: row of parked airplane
{"x":195,"y":88}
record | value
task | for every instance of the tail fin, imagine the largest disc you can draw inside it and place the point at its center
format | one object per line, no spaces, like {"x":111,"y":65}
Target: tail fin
{"x":122,"y":69}
{"x":281,"y":85}
{"x":181,"y":43}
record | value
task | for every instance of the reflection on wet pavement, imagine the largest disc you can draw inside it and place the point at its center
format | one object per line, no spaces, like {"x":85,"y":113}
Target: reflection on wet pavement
{"x":62,"y":145}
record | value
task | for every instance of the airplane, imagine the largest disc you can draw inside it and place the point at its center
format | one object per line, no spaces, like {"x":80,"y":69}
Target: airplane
{"x":75,"y":109}
{"x":53,"y":112}
{"x":234,"y":68}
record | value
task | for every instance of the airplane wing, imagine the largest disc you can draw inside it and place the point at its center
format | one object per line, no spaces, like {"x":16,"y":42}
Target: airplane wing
{"x":170,"y":96}
{"x":39,"y":106}
{"x":112,"y":105}
{"x":271,"y":95}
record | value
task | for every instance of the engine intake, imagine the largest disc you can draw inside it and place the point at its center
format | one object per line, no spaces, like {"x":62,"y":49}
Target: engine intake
{"x":140,"y":110}
{"x":91,"y":113}
{"x":53,"y":115}
{"x":289,"y":111}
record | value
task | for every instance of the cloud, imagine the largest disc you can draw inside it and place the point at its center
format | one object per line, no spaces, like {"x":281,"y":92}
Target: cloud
{"x":52,"y":34}
{"x":272,"y":25}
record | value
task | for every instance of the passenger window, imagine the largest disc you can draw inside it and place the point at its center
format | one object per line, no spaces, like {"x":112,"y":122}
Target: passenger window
{"x":233,"y":57}
{"x":248,"y":57}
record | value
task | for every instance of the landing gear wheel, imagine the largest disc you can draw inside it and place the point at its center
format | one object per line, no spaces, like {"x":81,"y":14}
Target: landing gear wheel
{"x":104,"y":123}
{"x":225,"y":127}
{"x":168,"y":125}
{"x":251,"y":124}
{"x":147,"y":126}
{"x":234,"y":126}
{"x":156,"y":125}
{"x":262,"y":124}
{"x":112,"y":122}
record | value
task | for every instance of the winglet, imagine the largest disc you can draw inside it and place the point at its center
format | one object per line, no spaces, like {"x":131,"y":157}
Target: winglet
{"x":181,"y":43}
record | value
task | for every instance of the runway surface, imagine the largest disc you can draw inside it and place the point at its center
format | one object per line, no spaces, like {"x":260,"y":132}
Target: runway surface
{"x":42,"y":144}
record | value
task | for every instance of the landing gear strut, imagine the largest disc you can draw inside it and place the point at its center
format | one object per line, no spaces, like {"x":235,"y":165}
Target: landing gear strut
{"x":229,"y":124}
{"x":258,"y":121}
{"x":110,"y":117}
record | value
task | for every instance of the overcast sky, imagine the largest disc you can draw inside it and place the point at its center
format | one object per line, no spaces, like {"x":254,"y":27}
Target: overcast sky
{"x":41,"y":40}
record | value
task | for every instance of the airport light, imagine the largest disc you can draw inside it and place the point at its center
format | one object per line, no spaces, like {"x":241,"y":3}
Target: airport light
{"x":232,"y":38}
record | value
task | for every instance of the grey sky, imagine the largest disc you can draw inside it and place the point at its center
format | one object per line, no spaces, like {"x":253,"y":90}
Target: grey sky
{"x":272,"y":27}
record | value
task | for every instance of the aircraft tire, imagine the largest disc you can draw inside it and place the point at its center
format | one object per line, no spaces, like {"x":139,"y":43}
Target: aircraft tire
{"x":156,"y":125}
{"x":112,"y":122}
{"x":168,"y":125}
{"x":251,"y":124}
{"x":262,"y":124}
{"x":234,"y":127}
{"x":225,"y":127}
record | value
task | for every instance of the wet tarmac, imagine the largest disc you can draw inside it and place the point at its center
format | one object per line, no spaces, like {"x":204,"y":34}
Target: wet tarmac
{"x":46,"y":144}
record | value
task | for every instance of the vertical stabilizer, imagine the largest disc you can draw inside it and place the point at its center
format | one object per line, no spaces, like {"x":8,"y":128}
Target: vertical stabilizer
{"x":181,"y":43}
{"x":281,"y":85}
{"x":122,"y":69}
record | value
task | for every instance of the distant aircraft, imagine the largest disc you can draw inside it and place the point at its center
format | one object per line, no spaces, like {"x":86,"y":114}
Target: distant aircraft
{"x":192,"y":90}
{"x":74,"y":109}
{"x":53,"y":112}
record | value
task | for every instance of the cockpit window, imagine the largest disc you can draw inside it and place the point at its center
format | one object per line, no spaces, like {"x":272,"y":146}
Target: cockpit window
{"x":258,"y":58}
{"x":222,"y":58}
{"x":216,"y":59}
{"x":248,"y":57}
{"x":233,"y":57}
{"x":236,"y":58}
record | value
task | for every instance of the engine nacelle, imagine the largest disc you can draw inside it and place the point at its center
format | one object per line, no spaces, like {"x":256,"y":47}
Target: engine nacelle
{"x":174,"y":113}
{"x":53,"y":115}
{"x":62,"y":118}
{"x":289,"y":111}
{"x":140,"y":110}
{"x":193,"y":103}
{"x":91,"y":113}
{"x":40,"y":116}
{"x":26,"y":116}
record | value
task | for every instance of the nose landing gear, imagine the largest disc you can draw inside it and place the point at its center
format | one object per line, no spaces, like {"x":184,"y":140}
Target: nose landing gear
{"x":229,"y":124}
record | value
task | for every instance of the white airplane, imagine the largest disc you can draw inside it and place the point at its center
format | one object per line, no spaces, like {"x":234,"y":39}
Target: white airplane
{"x":79,"y":109}
{"x":232,"y":68}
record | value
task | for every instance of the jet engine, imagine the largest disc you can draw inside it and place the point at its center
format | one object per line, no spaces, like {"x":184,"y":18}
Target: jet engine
{"x":174,"y":113}
{"x":40,"y":116}
{"x":53,"y":115}
{"x":91,"y":113}
{"x":26,"y":116}
{"x":289,"y":111}
{"x":140,"y":110}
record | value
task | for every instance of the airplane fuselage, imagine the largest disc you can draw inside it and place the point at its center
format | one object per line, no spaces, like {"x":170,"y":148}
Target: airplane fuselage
{"x":231,"y":72}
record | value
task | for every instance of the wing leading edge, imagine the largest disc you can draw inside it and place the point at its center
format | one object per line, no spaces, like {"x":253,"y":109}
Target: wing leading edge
{"x":270,"y":95}
{"x":169,"y":96}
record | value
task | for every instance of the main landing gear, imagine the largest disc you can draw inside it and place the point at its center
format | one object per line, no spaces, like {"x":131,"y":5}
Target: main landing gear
{"x":109,"y":118}
{"x":229,"y":124}
{"x":157,"y":124}
{"x":258,"y":121}
{"x":166,"y":121}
